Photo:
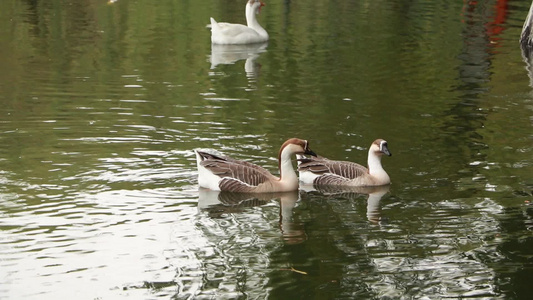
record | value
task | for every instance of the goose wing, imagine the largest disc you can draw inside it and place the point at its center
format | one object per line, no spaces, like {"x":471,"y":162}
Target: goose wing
{"x":237,"y":175}
{"x":331,"y":179}
{"x":323,"y":166}
{"x":231,"y":30}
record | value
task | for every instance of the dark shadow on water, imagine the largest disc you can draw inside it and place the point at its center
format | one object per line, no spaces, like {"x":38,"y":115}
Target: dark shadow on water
{"x":323,"y":266}
{"x":514,"y":268}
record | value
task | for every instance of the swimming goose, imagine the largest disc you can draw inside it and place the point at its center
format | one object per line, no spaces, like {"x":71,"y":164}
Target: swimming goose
{"x":322,"y":171}
{"x":222,"y":173}
{"x":526,"y":37}
{"x":228,"y":33}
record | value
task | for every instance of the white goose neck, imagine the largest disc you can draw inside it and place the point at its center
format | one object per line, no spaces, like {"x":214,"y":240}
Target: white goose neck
{"x":374,"y":163}
{"x":286,"y":169}
{"x":375,"y":169}
{"x":251,"y":18}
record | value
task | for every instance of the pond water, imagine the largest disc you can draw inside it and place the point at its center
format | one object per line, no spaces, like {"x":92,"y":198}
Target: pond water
{"x":103,"y":103}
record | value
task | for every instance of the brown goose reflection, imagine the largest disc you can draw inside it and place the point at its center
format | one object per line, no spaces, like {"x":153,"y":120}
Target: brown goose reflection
{"x":293,"y":231}
{"x":217,"y":203}
{"x":375,"y":193}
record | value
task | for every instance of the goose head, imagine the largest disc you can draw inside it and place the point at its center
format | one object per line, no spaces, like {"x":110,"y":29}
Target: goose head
{"x":254,"y":6}
{"x":294,"y":146}
{"x":379,"y":148}
{"x":287,"y":150}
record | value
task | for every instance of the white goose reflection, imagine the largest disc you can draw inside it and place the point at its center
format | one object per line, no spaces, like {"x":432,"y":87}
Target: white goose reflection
{"x":375,"y":193}
{"x":217,"y":203}
{"x":527,"y":57}
{"x":230,"y":54}
{"x":293,"y":231}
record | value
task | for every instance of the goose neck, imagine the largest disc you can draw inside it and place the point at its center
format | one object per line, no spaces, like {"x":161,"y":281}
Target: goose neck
{"x":251,"y":17}
{"x":376,"y":171}
{"x":374,"y":163}
{"x":286,"y":169}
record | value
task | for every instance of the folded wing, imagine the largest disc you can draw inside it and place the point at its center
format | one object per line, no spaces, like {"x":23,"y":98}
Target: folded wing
{"x":237,"y":175}
{"x":322,"y":166}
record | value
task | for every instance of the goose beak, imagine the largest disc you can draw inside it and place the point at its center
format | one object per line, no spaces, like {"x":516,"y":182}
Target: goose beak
{"x":385,"y":150}
{"x":310,"y":152}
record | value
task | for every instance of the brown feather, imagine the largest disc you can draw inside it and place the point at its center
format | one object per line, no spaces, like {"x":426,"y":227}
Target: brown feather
{"x":250,"y":175}
{"x":322,"y":165}
{"x":331,"y":179}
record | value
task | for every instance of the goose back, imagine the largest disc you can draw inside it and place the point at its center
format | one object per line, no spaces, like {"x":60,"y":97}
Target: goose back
{"x":237,"y":175}
{"x":322,"y":171}
{"x":321,"y":165}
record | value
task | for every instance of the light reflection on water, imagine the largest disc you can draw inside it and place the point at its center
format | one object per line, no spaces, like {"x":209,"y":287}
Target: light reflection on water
{"x":59,"y":240}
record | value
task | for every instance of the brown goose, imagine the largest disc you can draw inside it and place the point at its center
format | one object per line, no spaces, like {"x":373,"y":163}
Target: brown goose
{"x":222,"y":173}
{"x":322,"y":171}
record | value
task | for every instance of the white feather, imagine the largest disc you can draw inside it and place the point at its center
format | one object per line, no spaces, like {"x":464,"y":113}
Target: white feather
{"x":206,"y":178}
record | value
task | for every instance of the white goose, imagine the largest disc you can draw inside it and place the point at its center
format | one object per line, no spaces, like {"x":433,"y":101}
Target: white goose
{"x":228,"y":33}
{"x":221,"y":173}
{"x":322,"y":171}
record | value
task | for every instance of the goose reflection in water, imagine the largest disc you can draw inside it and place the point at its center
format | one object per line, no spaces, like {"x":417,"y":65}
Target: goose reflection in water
{"x":230,"y":54}
{"x":217,"y":203}
{"x":293,"y":231}
{"x":374,"y":193}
